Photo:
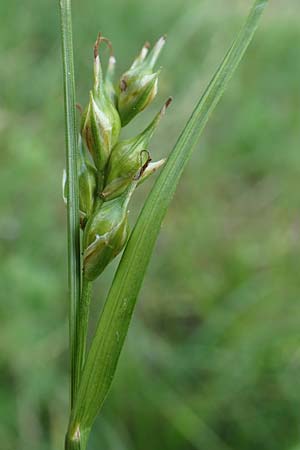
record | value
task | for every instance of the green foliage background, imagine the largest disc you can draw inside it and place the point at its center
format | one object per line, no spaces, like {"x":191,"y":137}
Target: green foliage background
{"x":212,"y":361}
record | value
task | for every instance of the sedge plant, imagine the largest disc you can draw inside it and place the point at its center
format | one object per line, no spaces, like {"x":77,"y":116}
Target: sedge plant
{"x":102,"y":173}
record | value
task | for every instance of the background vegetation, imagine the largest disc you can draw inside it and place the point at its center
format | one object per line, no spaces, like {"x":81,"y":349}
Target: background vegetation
{"x":212,"y":360}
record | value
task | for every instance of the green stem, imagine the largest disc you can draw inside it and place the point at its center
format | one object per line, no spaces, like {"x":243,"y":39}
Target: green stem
{"x":82,"y":323}
{"x":72,"y":180}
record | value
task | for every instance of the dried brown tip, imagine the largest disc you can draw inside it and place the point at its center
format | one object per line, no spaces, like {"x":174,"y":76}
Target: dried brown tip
{"x":79,"y":107}
{"x":100,"y":39}
{"x":147,"y":45}
{"x":168,"y":102}
{"x":144,"y":166}
{"x":140,"y":172}
{"x":123,"y":85}
{"x":82,"y":223}
{"x":102,"y":195}
{"x":96,"y":46}
{"x":166,"y":105}
{"x":109,"y":45}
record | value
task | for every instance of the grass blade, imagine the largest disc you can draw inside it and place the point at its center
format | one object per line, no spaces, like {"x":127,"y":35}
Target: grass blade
{"x":114,"y":321}
{"x":72,"y":187}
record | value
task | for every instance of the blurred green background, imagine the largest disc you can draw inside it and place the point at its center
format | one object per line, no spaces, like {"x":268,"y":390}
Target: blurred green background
{"x":212,"y":360}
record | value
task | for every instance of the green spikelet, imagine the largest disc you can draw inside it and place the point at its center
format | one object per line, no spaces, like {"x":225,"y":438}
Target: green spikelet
{"x":138,"y":86}
{"x":127,"y":156}
{"x":100,"y":124}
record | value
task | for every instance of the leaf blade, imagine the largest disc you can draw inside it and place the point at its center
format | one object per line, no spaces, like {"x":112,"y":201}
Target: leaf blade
{"x":73,"y":225}
{"x":117,"y":312}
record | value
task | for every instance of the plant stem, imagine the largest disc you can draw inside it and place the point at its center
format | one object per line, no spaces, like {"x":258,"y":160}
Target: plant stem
{"x":72,"y":180}
{"x":82,"y":321}
{"x":77,"y":440}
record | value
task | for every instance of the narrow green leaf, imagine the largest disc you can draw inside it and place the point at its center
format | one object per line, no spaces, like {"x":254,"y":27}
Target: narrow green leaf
{"x":114,"y":321}
{"x":72,"y":184}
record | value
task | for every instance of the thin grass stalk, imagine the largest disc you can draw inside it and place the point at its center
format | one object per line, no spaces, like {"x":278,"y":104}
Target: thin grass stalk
{"x":83,"y":320}
{"x":73,"y":224}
